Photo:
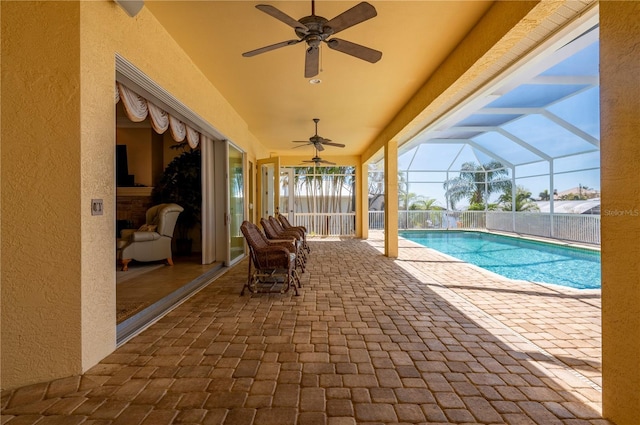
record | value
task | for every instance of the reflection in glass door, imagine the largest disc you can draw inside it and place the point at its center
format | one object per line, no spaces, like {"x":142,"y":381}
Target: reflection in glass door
{"x":236,"y":202}
{"x":267,"y":186}
{"x":286,"y":193}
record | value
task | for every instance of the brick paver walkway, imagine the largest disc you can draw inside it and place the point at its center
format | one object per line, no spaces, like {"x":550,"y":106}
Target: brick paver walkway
{"x":370,"y":340}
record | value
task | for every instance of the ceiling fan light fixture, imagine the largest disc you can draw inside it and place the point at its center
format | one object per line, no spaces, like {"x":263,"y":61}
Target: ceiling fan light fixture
{"x":315,"y":81}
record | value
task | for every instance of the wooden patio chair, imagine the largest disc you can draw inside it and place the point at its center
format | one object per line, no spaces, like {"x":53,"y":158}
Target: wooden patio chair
{"x":272,"y":264}
{"x":273,"y":234}
{"x":284,"y":222}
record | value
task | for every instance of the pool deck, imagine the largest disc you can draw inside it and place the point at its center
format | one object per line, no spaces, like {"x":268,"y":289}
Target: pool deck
{"x":370,"y":340}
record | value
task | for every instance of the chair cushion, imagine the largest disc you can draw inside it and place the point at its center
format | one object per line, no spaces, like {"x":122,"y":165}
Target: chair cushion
{"x":144,"y":236}
{"x":148,"y":228}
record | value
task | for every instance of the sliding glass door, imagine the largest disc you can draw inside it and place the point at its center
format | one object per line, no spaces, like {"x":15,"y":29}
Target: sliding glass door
{"x":236,"y":202}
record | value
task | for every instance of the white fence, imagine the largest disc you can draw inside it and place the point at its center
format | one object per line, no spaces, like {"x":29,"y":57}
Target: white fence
{"x":570,"y":227}
{"x":327,"y":224}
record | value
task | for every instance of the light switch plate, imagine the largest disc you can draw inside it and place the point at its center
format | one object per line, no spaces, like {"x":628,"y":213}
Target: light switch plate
{"x":96,"y":207}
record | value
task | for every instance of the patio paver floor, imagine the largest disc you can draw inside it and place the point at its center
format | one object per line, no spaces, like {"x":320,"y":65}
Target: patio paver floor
{"x":370,"y":340}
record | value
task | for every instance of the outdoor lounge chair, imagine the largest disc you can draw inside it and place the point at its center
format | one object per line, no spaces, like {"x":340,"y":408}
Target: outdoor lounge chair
{"x":271,"y":263}
{"x":272,"y":233}
{"x":284,"y":222}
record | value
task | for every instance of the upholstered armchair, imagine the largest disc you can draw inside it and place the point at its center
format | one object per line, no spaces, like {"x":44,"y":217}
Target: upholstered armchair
{"x":152,"y":241}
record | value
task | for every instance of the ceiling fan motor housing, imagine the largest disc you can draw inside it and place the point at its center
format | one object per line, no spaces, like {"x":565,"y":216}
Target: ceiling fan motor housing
{"x":316,"y":31}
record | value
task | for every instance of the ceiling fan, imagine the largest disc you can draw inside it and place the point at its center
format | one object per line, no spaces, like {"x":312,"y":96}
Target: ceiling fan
{"x":318,"y":141}
{"x":315,"y":29}
{"x":317,"y":160}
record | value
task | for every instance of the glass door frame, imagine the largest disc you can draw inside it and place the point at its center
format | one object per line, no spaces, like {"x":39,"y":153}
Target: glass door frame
{"x":231,"y":212}
{"x":268,"y":186}
{"x":290,"y":193}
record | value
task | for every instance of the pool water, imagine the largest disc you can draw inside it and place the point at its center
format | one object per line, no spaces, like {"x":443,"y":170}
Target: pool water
{"x":517,"y":258}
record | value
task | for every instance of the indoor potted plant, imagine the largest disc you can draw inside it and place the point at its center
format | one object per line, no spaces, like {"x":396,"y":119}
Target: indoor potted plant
{"x":181,"y":184}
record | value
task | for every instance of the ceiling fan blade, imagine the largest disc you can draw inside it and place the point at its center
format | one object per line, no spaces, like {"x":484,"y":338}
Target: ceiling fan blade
{"x":339,"y":145}
{"x":299,"y":146}
{"x":281,"y":16}
{"x":319,"y":146}
{"x":300,"y":141}
{"x":358,"y":13}
{"x":270,"y":47}
{"x":327,"y":162}
{"x":312,"y":62}
{"x":356,"y":50}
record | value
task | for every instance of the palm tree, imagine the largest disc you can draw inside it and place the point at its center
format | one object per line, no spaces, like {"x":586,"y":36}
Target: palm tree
{"x":524,"y":202}
{"x":424,"y":204}
{"x":545,"y":195}
{"x":475,"y":182}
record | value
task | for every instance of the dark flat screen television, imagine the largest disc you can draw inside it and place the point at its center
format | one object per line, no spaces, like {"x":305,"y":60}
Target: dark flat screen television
{"x":123,"y":178}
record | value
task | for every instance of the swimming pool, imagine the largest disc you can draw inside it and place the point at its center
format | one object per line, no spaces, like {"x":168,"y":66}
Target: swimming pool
{"x":517,"y":258}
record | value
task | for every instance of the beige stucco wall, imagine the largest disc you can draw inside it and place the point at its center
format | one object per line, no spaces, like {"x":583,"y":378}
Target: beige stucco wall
{"x":41,"y":157}
{"x":620,"y":228}
{"x":58,"y":274}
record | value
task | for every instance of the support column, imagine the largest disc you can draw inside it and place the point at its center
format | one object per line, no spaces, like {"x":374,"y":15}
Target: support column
{"x":362,"y":225}
{"x":391,"y":199}
{"x":620,"y":156}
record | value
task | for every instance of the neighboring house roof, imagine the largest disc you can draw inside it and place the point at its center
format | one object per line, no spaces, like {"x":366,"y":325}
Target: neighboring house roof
{"x":576,"y":190}
{"x":589,"y":206}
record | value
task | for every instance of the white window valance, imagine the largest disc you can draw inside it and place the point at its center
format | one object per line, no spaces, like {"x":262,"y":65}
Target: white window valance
{"x":193,"y":137}
{"x":138,"y":108}
{"x":178,"y":129}
{"x":159,"y":118}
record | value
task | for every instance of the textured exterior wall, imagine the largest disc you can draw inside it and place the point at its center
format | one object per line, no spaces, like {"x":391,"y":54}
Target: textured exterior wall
{"x":106,"y":29}
{"x":58,"y":274}
{"x":41,"y":232}
{"x":620,"y":228}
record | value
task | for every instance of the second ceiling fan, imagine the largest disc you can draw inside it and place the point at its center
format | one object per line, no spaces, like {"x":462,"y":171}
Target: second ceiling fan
{"x":316,"y":29}
{"x":317,"y":141}
{"x":318,"y":161}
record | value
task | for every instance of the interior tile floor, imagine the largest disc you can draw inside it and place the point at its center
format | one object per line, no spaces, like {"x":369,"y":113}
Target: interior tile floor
{"x":370,"y":340}
{"x":145,"y":283}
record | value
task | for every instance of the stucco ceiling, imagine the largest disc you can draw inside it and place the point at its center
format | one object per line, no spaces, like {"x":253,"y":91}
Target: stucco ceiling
{"x":355,"y":100}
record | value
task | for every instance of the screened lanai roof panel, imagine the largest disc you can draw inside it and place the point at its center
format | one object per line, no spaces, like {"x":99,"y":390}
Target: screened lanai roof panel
{"x":431,"y":156}
{"x":581,"y":110}
{"x":576,"y":162}
{"x":483,"y":158}
{"x":505,"y":148}
{"x":584,"y":62}
{"x":491,"y":120}
{"x":533,"y":169}
{"x":547,"y":136}
{"x":535,"y":95}
{"x":456,"y":133}
{"x":405,"y":158}
{"x":466,"y":154}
